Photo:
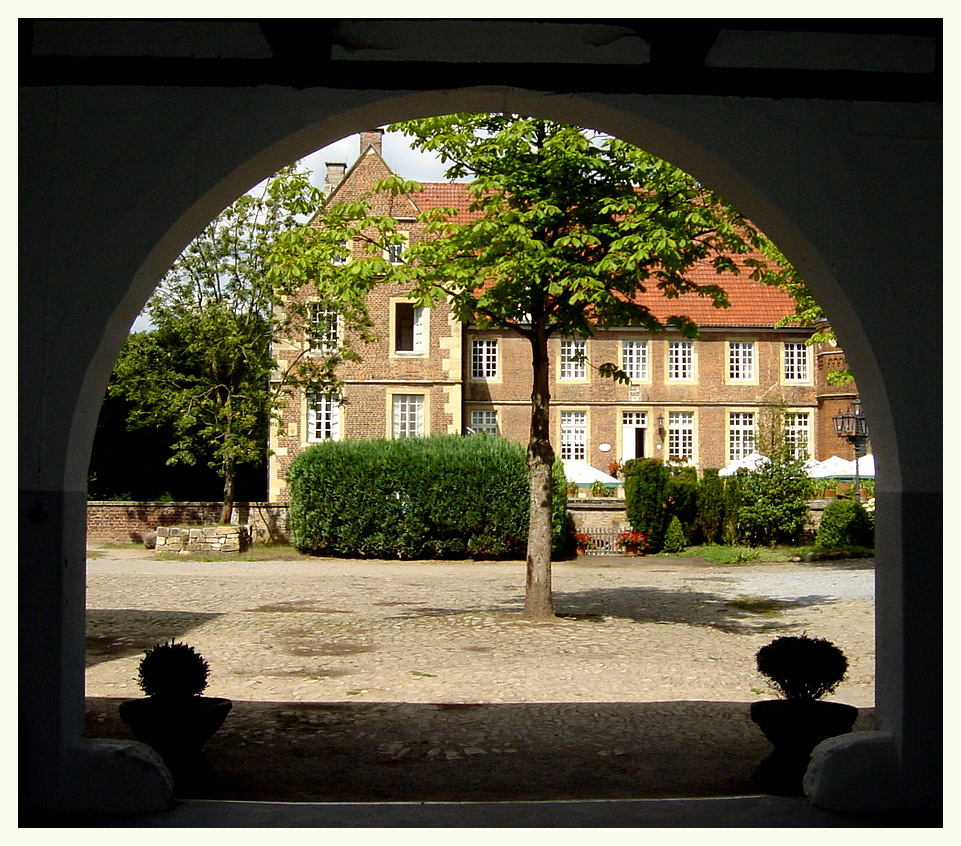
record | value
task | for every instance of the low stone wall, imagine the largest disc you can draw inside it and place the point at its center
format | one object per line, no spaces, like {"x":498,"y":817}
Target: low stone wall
{"x":269,"y":522}
{"x":203,"y":539}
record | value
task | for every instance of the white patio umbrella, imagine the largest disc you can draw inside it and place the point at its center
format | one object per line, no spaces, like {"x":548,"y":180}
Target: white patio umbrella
{"x":749,"y":462}
{"x":582,"y":473}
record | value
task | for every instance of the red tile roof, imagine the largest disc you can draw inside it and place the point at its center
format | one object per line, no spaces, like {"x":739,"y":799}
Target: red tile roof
{"x":752,"y":303}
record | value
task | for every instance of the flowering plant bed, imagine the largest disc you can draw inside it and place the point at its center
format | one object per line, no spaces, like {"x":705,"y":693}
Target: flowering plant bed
{"x":633,"y":542}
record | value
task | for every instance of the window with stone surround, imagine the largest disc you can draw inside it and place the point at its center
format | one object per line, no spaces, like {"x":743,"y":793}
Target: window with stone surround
{"x":483,"y":360}
{"x":409,"y":328}
{"x":574,"y":435}
{"x":324,"y":330}
{"x":483,"y":420}
{"x":797,"y":434}
{"x":680,"y":442}
{"x":680,"y":361}
{"x":573,"y":359}
{"x":323,"y":418}
{"x":796,"y":362}
{"x":740,"y":361}
{"x":740,"y":434}
{"x":407,"y":416}
{"x":634,"y":360}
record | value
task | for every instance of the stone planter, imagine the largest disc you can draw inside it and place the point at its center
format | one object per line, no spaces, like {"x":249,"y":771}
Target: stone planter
{"x":794,"y":728}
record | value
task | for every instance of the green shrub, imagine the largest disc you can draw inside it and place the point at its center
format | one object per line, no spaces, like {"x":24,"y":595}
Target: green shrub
{"x":710,"y":506}
{"x":681,"y":494}
{"x":845,"y":523}
{"x":674,"y":539}
{"x":562,"y":523}
{"x":773,"y":502}
{"x":731,"y":534}
{"x":439,"y":497}
{"x":645,"y":498}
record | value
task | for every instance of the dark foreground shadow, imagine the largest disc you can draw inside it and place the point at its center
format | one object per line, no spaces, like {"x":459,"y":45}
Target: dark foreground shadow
{"x":401,"y":752}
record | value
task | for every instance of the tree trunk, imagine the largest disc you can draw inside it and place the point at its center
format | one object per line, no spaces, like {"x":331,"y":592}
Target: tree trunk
{"x":538,"y":599}
{"x":230,"y":479}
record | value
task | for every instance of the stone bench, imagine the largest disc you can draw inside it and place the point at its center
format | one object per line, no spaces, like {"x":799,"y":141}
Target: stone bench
{"x":202,"y":539}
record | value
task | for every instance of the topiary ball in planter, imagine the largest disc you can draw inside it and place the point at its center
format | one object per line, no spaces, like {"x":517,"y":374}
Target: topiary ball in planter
{"x":173,"y":669}
{"x":802,"y":669}
{"x":175,"y":719}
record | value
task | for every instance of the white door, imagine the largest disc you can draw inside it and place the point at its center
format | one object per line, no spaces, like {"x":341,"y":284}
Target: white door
{"x":633,"y":434}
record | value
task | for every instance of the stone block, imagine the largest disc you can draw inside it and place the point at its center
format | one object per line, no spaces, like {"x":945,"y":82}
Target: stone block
{"x":195,"y":533}
{"x":209,"y":531}
{"x":163,"y":531}
{"x":117,"y":777}
{"x":857,"y":772}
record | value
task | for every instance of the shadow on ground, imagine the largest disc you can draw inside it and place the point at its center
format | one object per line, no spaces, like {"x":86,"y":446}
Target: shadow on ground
{"x":643,"y":604}
{"x":122,"y":632}
{"x":401,"y":752}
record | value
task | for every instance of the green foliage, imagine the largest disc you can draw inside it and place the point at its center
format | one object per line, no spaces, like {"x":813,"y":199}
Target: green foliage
{"x":172,"y":669}
{"x":710,"y":506}
{"x":773,"y":502}
{"x":645,"y":498}
{"x":205,"y":370}
{"x":802,"y":668}
{"x":681,"y":497}
{"x":562,"y":523}
{"x":674,"y":538}
{"x":438,"y":497}
{"x":845,"y":523}
{"x":732,"y":507}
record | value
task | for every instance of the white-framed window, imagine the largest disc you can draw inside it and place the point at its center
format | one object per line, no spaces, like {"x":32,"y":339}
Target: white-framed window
{"x":680,"y":438}
{"x":483,"y":420}
{"x":483,"y":358}
{"x":395,"y":252}
{"x":680,"y":360}
{"x":574,"y":435}
{"x":407,"y":416}
{"x":342,"y":254}
{"x":323,"y":418}
{"x":634,"y":360}
{"x":797,"y":434}
{"x":740,"y":361}
{"x":323,"y":332}
{"x":796,"y":362}
{"x":573,"y":358}
{"x":410,"y":325}
{"x":740,"y":434}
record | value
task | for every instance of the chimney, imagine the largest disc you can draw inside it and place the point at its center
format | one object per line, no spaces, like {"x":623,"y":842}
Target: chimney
{"x":372,"y":138}
{"x":335,"y":174}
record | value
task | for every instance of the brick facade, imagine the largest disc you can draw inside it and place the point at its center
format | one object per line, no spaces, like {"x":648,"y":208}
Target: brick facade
{"x":615,"y":421}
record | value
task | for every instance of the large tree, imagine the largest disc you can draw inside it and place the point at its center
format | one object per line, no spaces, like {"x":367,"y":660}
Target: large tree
{"x":570,"y":227}
{"x":206,"y":367}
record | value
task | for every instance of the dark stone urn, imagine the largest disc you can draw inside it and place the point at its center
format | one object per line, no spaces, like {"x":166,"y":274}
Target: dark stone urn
{"x":795,"y":727}
{"x":177,"y":727}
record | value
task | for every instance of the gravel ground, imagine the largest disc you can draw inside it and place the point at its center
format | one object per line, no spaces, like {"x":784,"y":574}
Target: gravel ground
{"x":419,"y":680}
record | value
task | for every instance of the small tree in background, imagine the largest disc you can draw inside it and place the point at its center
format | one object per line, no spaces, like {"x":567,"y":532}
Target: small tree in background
{"x":774,"y":502}
{"x":710,"y":505}
{"x":206,"y":370}
{"x":681,"y":493}
{"x":674,"y":538}
{"x":645,"y":498}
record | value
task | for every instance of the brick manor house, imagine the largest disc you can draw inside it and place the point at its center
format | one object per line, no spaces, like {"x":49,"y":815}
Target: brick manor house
{"x":698,"y":401}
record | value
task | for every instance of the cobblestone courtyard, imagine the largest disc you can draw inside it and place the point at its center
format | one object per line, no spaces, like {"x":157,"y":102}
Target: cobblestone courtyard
{"x":393,"y":680}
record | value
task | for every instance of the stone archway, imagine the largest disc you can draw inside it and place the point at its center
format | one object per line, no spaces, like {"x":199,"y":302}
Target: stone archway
{"x":846,"y":191}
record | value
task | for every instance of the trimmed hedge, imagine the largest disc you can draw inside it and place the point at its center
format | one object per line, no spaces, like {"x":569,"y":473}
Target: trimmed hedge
{"x":439,"y":497}
{"x":845,"y":523}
